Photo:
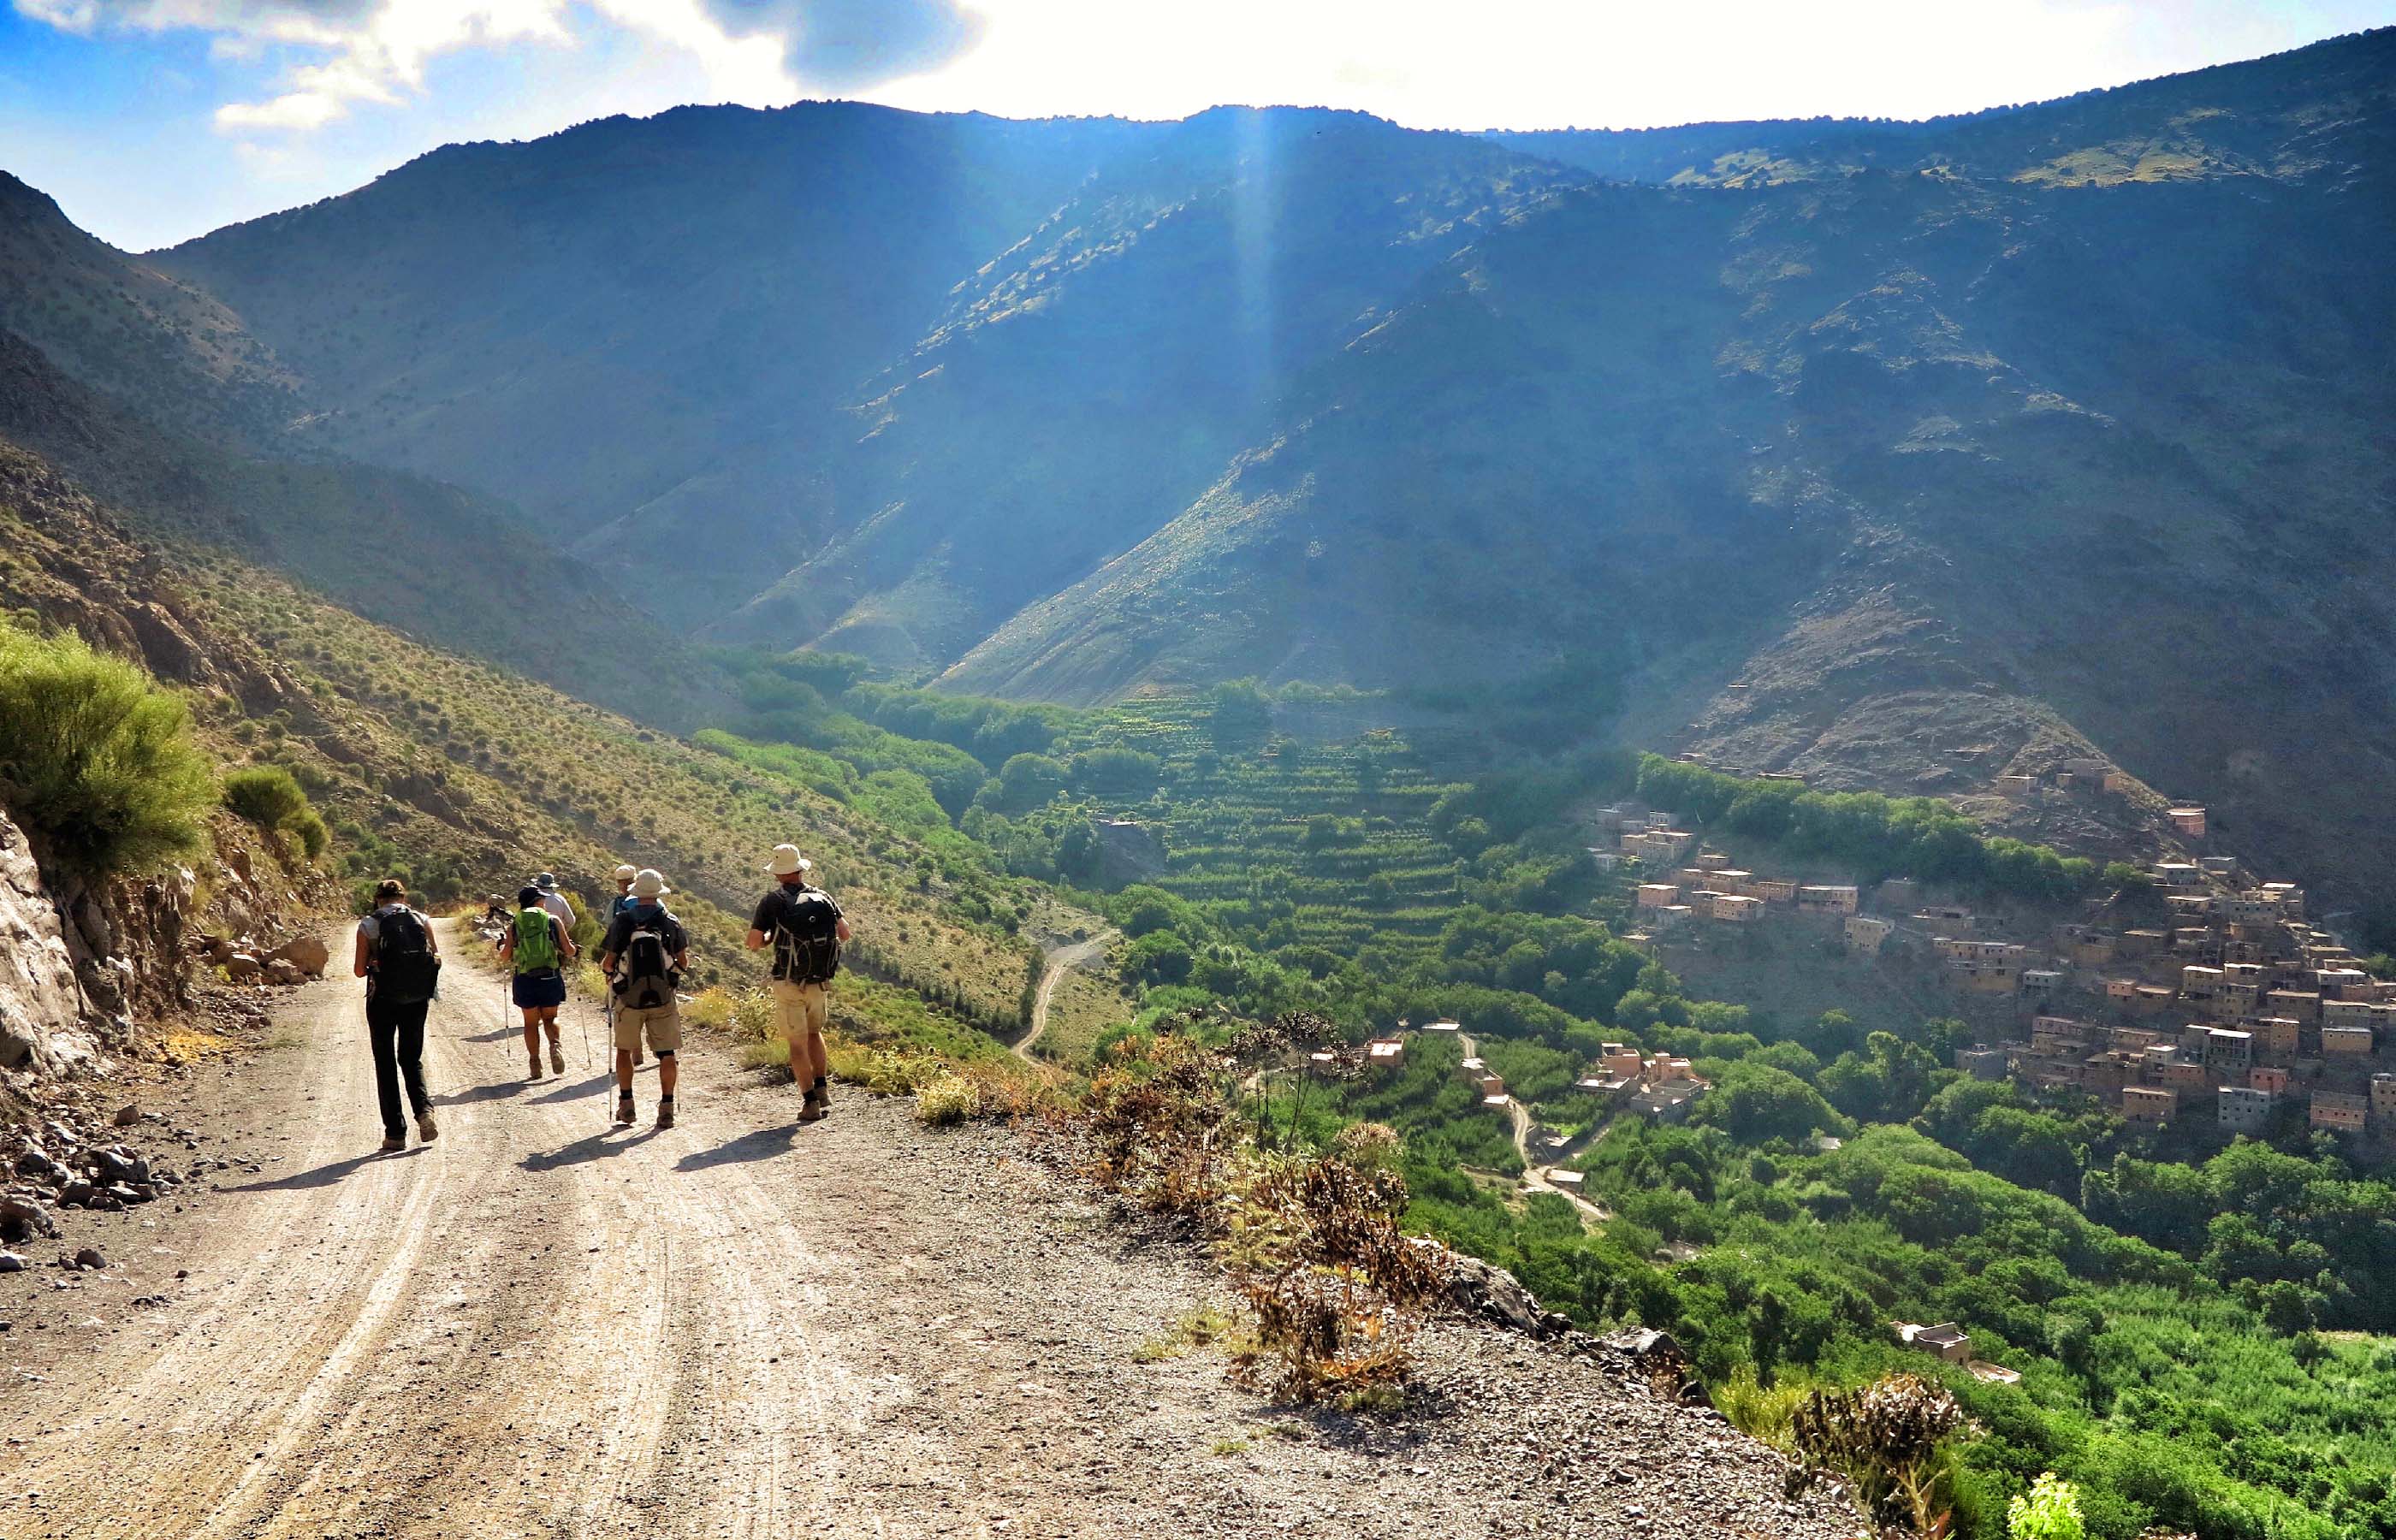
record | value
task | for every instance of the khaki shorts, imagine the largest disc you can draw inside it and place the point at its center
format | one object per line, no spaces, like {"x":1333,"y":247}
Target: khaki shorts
{"x":799,"y":1008}
{"x":664,"y":1024}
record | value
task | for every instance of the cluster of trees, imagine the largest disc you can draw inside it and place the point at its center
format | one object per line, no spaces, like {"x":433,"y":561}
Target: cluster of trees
{"x":1871,"y":835}
{"x":2165,"y":1397}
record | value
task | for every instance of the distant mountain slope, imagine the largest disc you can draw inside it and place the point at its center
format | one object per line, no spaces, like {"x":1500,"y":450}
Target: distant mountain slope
{"x":168,"y":349}
{"x":588,"y":324}
{"x":409,"y":552}
{"x":1918,"y":466}
{"x":1080,"y":389}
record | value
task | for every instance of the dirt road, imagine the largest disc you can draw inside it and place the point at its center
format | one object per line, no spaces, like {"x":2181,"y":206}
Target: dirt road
{"x":1535,"y":1176}
{"x":1064,"y":959}
{"x":743,"y":1326}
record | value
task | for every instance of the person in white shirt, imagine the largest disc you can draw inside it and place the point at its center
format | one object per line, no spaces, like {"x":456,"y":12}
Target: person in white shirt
{"x":553,"y":900}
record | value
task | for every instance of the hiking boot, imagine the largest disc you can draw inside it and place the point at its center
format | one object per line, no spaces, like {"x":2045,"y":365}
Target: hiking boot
{"x":534,"y":1073}
{"x":665,"y":1115}
{"x":426,"y":1129}
{"x":556,"y":1059}
{"x":624,"y":1112}
{"x":394,"y":1143}
{"x":818,"y":1103}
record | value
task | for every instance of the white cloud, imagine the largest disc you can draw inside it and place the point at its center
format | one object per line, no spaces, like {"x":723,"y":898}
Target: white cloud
{"x":376,"y":52}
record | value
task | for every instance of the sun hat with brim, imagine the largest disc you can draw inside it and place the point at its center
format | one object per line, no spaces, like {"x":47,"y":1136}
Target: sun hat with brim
{"x":528,"y":896}
{"x":546,"y":882}
{"x":625,"y":873}
{"x":788,"y":861}
{"x":648,"y":884}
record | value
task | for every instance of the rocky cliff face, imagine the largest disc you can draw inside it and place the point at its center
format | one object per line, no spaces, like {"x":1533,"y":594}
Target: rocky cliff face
{"x":44,"y":1017}
{"x":80,"y":964}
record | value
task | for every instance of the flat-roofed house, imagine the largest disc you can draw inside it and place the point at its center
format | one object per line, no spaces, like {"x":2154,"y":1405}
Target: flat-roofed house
{"x":1946,"y":1341}
{"x":2150,"y":1104}
{"x":1865,"y":933}
{"x":2301,"y":1005}
{"x":2346,"y":1043}
{"x":2242,"y":1108}
{"x":1981,"y":1062}
{"x":2340,"y":1112}
{"x":2229,"y":1050}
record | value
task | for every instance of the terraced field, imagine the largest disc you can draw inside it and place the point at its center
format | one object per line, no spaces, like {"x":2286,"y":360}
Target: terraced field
{"x":1323,"y":843}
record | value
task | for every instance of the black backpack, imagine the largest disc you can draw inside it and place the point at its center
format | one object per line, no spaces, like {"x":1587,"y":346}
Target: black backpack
{"x":644,"y":978}
{"x":407,"y":971}
{"x":807,"y":938}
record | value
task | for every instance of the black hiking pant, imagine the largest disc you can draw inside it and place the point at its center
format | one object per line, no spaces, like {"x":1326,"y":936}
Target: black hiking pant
{"x":397,"y":1034}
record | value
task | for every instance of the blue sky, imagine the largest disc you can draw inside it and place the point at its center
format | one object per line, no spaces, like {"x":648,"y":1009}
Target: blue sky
{"x":152,"y":121}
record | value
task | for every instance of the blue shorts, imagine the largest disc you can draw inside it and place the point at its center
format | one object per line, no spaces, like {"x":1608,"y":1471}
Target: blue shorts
{"x":545,"y":988}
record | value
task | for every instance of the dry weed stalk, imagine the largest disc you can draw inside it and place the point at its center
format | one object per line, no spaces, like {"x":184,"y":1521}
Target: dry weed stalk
{"x":1890,"y":1438}
{"x":1313,"y":1245}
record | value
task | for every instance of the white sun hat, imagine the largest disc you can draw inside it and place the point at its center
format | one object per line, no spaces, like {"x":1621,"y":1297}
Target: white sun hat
{"x":787,"y":860}
{"x":648,"y":884}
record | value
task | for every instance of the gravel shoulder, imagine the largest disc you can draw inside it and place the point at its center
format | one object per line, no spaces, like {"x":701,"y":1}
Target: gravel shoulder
{"x":743,"y":1326}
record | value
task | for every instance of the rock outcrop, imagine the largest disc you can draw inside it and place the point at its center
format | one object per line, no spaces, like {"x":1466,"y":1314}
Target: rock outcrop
{"x":45,"y":1020}
{"x":80,"y":963}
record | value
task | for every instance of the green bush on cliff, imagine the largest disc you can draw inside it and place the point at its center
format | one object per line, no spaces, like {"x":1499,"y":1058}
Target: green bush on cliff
{"x":97,"y":759}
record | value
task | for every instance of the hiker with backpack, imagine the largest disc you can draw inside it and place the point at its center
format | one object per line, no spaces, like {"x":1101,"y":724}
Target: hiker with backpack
{"x":805,"y":927}
{"x":643,"y":957}
{"x":400,"y":960}
{"x":537,"y":947}
{"x":624,"y":875}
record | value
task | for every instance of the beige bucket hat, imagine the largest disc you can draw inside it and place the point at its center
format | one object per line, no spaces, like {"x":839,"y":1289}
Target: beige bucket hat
{"x":787,"y":860}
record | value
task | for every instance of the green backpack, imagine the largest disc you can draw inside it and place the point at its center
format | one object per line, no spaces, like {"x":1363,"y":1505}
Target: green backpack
{"x":535,"y":944}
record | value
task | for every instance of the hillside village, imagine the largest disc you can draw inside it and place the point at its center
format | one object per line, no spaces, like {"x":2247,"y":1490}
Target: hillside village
{"x":2232,"y":1007}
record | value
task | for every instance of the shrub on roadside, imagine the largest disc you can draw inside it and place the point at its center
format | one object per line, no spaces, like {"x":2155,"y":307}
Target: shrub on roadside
{"x":711,"y":1009}
{"x":1312,"y":1247}
{"x":97,"y":759}
{"x":947,"y":1100}
{"x":313,"y":836}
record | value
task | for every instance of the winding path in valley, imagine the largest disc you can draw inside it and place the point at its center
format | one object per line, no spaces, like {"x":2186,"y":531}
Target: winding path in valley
{"x":1535,"y":1177}
{"x":1060,"y":961}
